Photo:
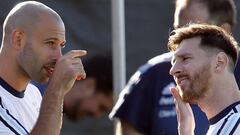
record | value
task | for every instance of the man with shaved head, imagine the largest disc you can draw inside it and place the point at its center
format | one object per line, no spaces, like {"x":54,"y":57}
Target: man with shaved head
{"x":33,"y":35}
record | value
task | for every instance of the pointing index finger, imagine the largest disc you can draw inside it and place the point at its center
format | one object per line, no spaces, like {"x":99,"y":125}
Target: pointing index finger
{"x":77,"y":53}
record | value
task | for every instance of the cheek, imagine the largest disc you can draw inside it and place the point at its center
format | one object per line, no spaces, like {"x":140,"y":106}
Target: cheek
{"x":43,"y":57}
{"x":33,"y":54}
{"x":43,"y":53}
{"x":193,"y":70}
{"x":26,"y":57}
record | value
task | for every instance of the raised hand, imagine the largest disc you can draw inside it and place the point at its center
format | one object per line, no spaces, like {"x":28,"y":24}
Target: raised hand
{"x":68,"y":68}
{"x":185,"y":117}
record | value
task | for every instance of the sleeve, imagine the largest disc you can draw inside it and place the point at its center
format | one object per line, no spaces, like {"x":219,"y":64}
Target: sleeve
{"x":4,"y":130}
{"x":135,"y":102}
{"x":35,"y":92}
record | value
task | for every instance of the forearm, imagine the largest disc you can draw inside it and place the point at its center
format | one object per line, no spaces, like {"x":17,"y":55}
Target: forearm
{"x":185,"y":130}
{"x":50,"y":118}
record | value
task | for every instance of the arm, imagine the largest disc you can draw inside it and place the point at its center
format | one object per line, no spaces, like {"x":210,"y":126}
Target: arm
{"x":124,"y":128}
{"x":67,"y":68}
{"x":185,"y":118}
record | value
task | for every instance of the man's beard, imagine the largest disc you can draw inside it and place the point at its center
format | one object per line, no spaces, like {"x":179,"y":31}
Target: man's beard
{"x":198,"y":85}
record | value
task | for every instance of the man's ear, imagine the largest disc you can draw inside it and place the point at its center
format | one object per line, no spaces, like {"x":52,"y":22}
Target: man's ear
{"x":18,"y":39}
{"x":221,"y":62}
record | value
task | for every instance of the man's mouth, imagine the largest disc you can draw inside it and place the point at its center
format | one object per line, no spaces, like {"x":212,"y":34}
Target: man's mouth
{"x":181,"y":80}
{"x":50,"y":68}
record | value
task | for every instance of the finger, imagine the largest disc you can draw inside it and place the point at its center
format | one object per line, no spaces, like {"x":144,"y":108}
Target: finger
{"x":76,"y":53}
{"x":180,"y":104}
{"x":80,"y":72}
{"x":176,"y":94}
{"x":81,"y":75}
{"x":76,"y":61}
{"x":79,"y":78}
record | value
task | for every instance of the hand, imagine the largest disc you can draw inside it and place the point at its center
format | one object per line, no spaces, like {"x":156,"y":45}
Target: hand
{"x":185,"y":118}
{"x":68,"y":68}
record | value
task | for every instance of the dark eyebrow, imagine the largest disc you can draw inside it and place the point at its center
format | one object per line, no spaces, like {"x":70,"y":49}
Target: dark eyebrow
{"x":185,"y":54}
{"x":55,"y":39}
{"x":180,"y":56}
{"x":50,"y":39}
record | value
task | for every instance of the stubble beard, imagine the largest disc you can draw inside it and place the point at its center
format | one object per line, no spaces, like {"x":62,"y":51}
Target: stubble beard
{"x":29,"y":62}
{"x":198,"y":86}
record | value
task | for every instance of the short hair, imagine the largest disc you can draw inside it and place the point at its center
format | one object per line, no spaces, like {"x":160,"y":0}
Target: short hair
{"x":212,"y":37}
{"x":99,"y":67}
{"x":220,"y":11}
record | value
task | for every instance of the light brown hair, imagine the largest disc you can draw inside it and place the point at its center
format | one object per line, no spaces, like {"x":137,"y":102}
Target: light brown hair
{"x":212,"y":37}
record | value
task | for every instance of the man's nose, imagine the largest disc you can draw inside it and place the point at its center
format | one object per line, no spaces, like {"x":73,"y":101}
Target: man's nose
{"x":57,"y":53}
{"x":175,"y":69}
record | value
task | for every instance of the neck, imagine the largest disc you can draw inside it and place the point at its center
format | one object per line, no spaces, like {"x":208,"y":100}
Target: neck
{"x":214,"y":103}
{"x":10,"y":73}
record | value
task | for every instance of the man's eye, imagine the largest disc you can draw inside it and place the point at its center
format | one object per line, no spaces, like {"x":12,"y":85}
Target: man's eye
{"x":50,"y":43}
{"x":186,"y":58}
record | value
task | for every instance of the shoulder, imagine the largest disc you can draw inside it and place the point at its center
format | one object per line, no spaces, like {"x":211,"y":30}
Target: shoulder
{"x":144,"y":83}
{"x":230,"y":124}
{"x":148,"y":75}
{"x":32,"y":88}
{"x":165,"y":57}
{"x":155,"y":68}
{"x":33,"y":91}
{"x":160,"y":63}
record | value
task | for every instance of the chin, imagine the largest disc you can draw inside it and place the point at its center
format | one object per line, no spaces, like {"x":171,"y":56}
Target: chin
{"x":186,"y":98}
{"x":189,"y":99}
